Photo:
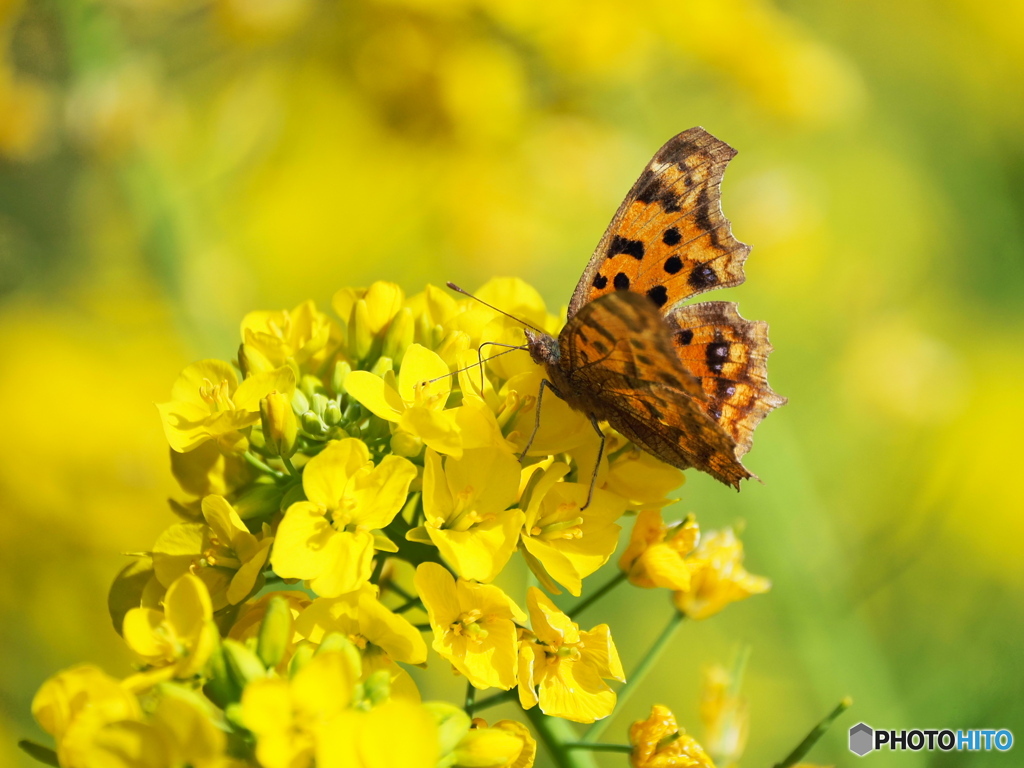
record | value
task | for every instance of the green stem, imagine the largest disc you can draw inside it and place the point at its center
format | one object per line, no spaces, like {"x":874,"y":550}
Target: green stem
{"x":645,"y":666}
{"x":816,"y":733}
{"x":470,"y":699}
{"x":378,"y":569}
{"x":608,"y":587}
{"x":498,"y":698}
{"x":556,"y":733}
{"x":289,"y":466}
{"x":598,"y":747}
{"x":408,"y":605}
{"x":261,"y":466}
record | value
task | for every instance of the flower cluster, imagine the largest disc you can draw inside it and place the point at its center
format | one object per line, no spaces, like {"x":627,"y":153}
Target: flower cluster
{"x":342,"y":475}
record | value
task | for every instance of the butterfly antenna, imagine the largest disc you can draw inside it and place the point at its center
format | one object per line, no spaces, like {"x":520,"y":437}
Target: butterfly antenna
{"x":480,"y":362}
{"x":464,"y":292}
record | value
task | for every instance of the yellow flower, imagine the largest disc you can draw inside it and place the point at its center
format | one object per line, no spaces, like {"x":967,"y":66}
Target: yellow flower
{"x":659,"y":743}
{"x":656,"y":554}
{"x":208,"y":402}
{"x":73,"y":705}
{"x":466,"y":509}
{"x":178,"y":640}
{"x":361,"y":617}
{"x":563,"y":541}
{"x":725,"y":716}
{"x":178,"y":732}
{"x":527,"y":752}
{"x":370,"y":315}
{"x":250,"y":616}
{"x":221,"y":552}
{"x":644,"y":480}
{"x":287,"y":717}
{"x":328,"y":540}
{"x":301,"y":337}
{"x":473,"y":624}
{"x":207,"y":470}
{"x":395,"y":733}
{"x":717,"y":577}
{"x":415,"y":402}
{"x":562,"y":668}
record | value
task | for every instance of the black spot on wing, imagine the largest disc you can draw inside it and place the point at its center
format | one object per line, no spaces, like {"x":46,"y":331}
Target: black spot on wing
{"x":621,"y":244}
{"x":643,"y":359}
{"x":671,"y":236}
{"x":716,"y":355}
{"x":621,"y":282}
{"x":600,"y":282}
{"x":684,"y":337}
{"x":702,"y":276}
{"x":658,"y":294}
{"x":726,"y":388}
{"x":673,"y":264}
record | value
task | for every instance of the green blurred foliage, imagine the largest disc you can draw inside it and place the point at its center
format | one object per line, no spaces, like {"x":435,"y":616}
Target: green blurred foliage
{"x":167,"y":166}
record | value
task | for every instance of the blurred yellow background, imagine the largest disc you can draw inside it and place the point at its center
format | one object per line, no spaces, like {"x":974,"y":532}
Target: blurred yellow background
{"x":167,"y":166}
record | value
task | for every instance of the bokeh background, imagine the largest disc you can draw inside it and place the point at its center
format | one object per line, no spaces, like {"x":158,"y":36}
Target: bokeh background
{"x":167,"y":166}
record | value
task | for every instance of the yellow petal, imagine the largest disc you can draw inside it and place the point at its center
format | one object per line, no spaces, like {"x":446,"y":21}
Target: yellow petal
{"x":249,"y":393}
{"x":436,"y":588}
{"x":373,"y":393}
{"x":481,"y":552}
{"x":437,"y":430}
{"x":326,"y":476}
{"x":416,"y":379}
{"x":202,"y":374}
{"x":381,"y":493}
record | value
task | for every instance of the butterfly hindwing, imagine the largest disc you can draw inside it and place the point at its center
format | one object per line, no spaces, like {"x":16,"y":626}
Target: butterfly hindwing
{"x":619,"y":363}
{"x":728,"y":355}
{"x":669,"y":240}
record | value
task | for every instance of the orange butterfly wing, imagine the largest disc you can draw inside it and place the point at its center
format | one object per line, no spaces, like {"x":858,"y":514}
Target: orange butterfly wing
{"x":669,"y":240}
{"x":618,"y":363}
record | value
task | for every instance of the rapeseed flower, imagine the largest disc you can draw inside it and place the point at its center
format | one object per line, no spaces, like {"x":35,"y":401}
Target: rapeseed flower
{"x":717,"y":576}
{"x":474,"y":626}
{"x":658,"y":742}
{"x":303,"y":337}
{"x":561,"y":667}
{"x":466,"y":504}
{"x":329,"y":539}
{"x":656,"y":554}
{"x":207,"y":402}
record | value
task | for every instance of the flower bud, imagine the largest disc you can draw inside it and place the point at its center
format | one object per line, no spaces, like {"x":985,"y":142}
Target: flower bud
{"x":313,"y":424}
{"x":259,"y":500}
{"x":318,"y":404}
{"x":280,"y":428}
{"x":378,"y":687}
{"x":300,"y":403}
{"x":406,"y":444}
{"x":304,"y":651}
{"x":275,"y":632}
{"x":336,"y":641}
{"x":452,"y":724}
{"x":332,"y":413}
{"x":360,"y":335}
{"x":487,"y":748}
{"x":220,"y":687}
{"x":341,"y":372}
{"x":382,"y":366}
{"x":399,"y":335}
{"x":243,"y":665}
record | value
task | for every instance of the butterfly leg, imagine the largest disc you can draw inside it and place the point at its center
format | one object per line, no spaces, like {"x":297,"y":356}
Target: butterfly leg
{"x":597,"y":464}
{"x":536,"y":423}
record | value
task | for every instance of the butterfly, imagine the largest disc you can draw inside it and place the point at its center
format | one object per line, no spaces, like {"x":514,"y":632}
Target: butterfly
{"x":687,"y":383}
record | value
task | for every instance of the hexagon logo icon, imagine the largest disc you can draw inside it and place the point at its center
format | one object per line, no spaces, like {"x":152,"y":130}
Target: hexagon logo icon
{"x":862,"y":739}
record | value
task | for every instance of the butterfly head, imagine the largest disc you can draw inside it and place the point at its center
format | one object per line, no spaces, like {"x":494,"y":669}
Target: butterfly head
{"x":544,"y":349}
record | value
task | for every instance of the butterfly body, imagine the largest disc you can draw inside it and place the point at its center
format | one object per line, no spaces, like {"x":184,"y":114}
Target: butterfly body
{"x":687,"y":383}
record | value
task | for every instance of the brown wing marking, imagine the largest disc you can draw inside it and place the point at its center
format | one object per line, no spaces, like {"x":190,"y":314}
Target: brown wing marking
{"x":619,"y":364}
{"x":669,"y":240}
{"x":729,"y":355}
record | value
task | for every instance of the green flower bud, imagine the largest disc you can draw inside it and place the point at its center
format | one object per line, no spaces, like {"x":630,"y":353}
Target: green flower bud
{"x":275,"y":632}
{"x":280,"y":428}
{"x":300,"y":403}
{"x":406,"y":444}
{"x":304,"y":651}
{"x":452,"y":724}
{"x":259,"y":500}
{"x":243,"y":665}
{"x":382,"y":366}
{"x":310,"y":385}
{"x":312,"y":424}
{"x":332,"y":413}
{"x":378,"y":687}
{"x":360,"y":339}
{"x":220,"y":687}
{"x":318,"y":403}
{"x":335,"y":641}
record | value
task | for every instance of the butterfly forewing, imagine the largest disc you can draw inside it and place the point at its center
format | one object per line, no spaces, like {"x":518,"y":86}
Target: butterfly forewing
{"x":669,"y":240}
{"x":618,"y":363}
